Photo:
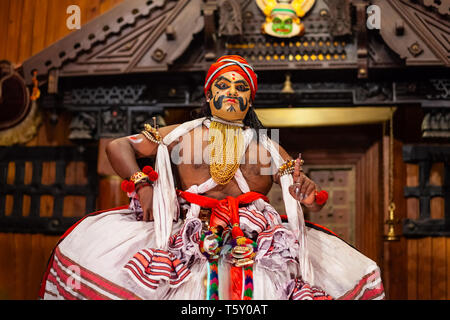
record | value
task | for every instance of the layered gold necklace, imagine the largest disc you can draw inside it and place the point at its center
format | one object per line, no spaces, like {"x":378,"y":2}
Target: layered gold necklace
{"x":226,"y":143}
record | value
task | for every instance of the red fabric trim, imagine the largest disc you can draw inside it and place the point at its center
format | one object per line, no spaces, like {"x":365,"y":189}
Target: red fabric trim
{"x":50,"y":262}
{"x":207,"y":202}
{"x":234,"y":68}
{"x":322,"y":227}
{"x":367,"y":293}
{"x":83,"y":289}
{"x":66,"y":294}
{"x":96,"y":279}
{"x":89,"y":215}
{"x":256,"y":222}
{"x":202,"y":201}
{"x":236,"y":283}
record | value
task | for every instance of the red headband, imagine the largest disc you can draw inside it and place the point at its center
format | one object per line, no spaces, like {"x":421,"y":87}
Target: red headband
{"x":232,"y":63}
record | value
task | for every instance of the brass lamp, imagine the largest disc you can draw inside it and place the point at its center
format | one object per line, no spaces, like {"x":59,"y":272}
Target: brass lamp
{"x":287,"y":89}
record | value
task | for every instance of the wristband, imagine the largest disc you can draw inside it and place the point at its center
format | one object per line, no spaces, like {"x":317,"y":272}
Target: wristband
{"x":139,"y":179}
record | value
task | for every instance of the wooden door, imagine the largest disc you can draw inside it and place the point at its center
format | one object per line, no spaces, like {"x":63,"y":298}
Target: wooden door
{"x":348,"y":163}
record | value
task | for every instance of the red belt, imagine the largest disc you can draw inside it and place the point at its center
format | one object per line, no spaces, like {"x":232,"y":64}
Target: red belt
{"x":231,"y":203}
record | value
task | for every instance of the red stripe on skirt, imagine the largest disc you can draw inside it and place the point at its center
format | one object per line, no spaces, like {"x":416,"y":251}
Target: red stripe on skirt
{"x":139,"y":276}
{"x":351,"y":294}
{"x":66,"y":294}
{"x":96,"y":279}
{"x":84,"y":290}
{"x":50,"y":262}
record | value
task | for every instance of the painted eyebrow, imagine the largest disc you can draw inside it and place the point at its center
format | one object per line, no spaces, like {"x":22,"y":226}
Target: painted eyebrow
{"x":243,"y":82}
{"x":222,"y":78}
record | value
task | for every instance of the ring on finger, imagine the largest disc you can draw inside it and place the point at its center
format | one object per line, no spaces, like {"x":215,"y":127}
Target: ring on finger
{"x":297,"y":190}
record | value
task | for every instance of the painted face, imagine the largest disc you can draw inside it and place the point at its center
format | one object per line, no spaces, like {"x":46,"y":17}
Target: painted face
{"x":230,"y":97}
{"x":282,"y":25}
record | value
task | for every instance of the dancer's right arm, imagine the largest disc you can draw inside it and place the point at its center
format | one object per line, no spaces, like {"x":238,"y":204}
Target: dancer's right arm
{"x":122,"y":154}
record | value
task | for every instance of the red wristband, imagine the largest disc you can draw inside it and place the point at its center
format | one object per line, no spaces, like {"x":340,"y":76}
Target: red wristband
{"x":321,"y":197}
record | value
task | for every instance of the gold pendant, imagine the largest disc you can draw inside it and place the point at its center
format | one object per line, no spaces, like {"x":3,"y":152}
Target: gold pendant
{"x":242,"y":255}
{"x":242,"y":262}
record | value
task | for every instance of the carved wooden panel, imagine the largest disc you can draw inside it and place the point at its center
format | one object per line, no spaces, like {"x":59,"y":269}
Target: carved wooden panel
{"x":426,"y":191}
{"x":338,"y":214}
{"x":29,"y":201}
{"x":135,"y":36}
{"x":424,"y":39}
{"x":140,"y":36}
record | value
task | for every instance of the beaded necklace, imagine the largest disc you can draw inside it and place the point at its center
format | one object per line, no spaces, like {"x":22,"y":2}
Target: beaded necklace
{"x":226,"y":142}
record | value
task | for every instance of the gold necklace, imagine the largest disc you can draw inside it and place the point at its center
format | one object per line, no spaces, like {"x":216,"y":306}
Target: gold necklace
{"x":226,"y":143}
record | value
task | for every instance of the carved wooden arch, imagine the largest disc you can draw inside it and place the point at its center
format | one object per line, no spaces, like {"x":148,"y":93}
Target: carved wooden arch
{"x":135,"y":36}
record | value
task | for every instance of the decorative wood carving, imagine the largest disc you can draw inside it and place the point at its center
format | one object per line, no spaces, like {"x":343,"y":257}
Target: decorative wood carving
{"x":131,"y":37}
{"x":361,"y":34}
{"x":209,"y":8}
{"x":34,"y":223}
{"x":340,"y":17}
{"x":436,"y":124}
{"x":423,"y":39}
{"x":83,"y":126}
{"x":14,"y":97}
{"x":141,"y":37}
{"x":425,"y":156}
{"x":20,"y":117}
{"x":230,"y":18}
{"x":165,"y":35}
{"x":339,"y":214}
{"x":443,"y":7}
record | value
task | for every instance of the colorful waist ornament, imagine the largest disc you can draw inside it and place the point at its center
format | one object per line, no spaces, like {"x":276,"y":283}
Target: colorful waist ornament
{"x":211,"y":242}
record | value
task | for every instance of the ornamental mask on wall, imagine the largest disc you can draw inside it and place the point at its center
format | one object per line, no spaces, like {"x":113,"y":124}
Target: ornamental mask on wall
{"x":283,"y":17}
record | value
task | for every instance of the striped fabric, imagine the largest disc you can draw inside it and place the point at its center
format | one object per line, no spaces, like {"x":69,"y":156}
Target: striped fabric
{"x":189,"y":234}
{"x":252,"y":220}
{"x":70,"y":281}
{"x":369,"y":287}
{"x":303,"y":291}
{"x":149,"y":267}
{"x":277,"y":247}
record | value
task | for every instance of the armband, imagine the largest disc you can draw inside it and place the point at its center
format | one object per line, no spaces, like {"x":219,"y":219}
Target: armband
{"x":151,"y":134}
{"x":287,"y":168}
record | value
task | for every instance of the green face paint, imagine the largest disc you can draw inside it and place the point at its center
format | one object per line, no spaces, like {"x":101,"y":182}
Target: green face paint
{"x":282,"y":26}
{"x":283,"y":17}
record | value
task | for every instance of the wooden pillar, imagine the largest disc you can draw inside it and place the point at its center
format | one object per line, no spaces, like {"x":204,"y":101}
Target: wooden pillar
{"x":109,"y":194}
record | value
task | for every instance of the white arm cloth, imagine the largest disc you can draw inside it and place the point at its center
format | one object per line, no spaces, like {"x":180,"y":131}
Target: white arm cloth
{"x":165,"y":203}
{"x":194,"y":209}
{"x":294,"y":213}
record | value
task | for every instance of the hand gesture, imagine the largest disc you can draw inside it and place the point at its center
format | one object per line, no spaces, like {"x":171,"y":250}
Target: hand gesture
{"x":303,"y":188}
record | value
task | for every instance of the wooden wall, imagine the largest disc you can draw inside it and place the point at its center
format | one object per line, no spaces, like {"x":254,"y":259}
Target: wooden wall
{"x":415,"y":268}
{"x":27,"y":27}
{"x":428,"y":259}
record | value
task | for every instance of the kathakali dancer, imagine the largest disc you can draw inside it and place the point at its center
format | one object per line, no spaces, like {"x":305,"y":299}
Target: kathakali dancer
{"x":215,"y":222}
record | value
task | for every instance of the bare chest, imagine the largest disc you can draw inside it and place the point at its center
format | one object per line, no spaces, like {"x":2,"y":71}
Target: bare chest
{"x":192,"y":158}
